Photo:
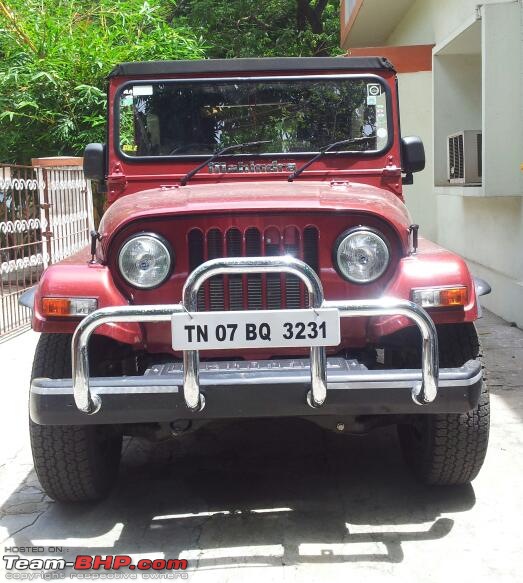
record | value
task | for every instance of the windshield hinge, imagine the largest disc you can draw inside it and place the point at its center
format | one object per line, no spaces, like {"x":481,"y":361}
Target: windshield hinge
{"x":117,"y":175}
{"x":116,"y":181}
{"x":391,"y":170}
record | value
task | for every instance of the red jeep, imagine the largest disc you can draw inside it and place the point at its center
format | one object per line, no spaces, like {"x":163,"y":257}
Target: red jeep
{"x":256,"y":259}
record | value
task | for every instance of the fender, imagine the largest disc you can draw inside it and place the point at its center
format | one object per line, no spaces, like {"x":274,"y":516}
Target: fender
{"x":76,"y":276}
{"x":431,"y":266}
{"x":27,"y":298}
{"x":482,"y":286}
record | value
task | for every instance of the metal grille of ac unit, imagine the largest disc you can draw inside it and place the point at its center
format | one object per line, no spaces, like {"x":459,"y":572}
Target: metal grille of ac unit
{"x":456,"y":161}
{"x":464,"y":163}
{"x":479,"y":144}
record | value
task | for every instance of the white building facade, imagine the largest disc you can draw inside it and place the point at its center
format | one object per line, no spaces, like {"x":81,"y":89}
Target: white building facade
{"x":460,"y":65}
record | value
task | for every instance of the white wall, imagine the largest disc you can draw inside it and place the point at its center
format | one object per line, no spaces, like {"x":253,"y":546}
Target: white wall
{"x":430,"y":21}
{"x":415,"y":90}
{"x":486,"y":230}
{"x":457,"y":103}
{"x":502,"y":33}
{"x":417,"y":26}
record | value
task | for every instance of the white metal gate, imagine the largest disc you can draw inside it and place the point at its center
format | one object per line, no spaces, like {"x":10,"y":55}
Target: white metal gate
{"x":46,"y":215}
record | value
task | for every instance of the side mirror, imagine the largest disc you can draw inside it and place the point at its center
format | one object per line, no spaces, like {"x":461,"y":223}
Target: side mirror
{"x":94,"y":162}
{"x":412,"y":154}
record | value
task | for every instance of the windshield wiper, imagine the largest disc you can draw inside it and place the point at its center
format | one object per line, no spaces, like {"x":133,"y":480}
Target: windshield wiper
{"x":191,"y":173}
{"x":322,"y":153}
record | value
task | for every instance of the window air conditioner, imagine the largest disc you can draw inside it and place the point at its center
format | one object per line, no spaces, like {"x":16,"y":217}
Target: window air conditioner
{"x":464,"y":157}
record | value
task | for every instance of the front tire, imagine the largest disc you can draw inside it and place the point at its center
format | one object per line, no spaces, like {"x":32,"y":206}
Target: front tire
{"x":447,"y":450}
{"x":74,"y":463}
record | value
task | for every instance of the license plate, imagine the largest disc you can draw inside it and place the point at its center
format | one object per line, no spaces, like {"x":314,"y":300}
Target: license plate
{"x":255,"y":329}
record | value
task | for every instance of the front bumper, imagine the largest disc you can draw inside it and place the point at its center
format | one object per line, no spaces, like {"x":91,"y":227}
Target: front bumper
{"x":254,"y":389}
{"x":315,"y":386}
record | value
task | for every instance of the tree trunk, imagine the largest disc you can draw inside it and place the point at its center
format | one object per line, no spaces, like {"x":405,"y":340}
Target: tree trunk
{"x":305,"y":13}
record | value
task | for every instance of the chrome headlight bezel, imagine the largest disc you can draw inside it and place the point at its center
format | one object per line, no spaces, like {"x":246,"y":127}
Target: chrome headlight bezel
{"x":350,"y":232}
{"x":158,"y":240}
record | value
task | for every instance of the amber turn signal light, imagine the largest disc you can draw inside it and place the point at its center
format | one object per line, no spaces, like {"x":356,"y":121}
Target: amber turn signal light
{"x":68,"y":307}
{"x":448,"y":297}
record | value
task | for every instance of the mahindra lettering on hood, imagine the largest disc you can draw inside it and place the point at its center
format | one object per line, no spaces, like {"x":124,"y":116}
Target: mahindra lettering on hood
{"x":256,"y":259}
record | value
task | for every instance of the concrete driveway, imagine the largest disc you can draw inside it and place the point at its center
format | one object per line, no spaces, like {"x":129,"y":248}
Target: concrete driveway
{"x":285,"y":500}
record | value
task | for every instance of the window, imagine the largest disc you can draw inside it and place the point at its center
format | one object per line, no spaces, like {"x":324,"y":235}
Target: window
{"x":301,"y":115}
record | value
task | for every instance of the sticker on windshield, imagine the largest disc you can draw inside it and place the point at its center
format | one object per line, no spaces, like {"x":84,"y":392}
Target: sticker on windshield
{"x":373,"y":89}
{"x":142,"y":90}
{"x":371,"y":100}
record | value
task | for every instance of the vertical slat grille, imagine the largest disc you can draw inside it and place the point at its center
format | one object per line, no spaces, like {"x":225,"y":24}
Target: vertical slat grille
{"x":196,"y":257}
{"x":253,"y":291}
{"x":253,"y":248}
{"x":272,"y":242}
{"x":291,"y":246}
{"x":234,"y":249}
{"x":310,"y":248}
{"x":214,"y":251}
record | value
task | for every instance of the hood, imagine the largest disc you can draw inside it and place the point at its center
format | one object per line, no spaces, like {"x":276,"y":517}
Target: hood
{"x":256,"y":198}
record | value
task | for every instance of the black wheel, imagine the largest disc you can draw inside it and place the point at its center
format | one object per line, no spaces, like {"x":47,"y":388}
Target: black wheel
{"x":74,"y":463}
{"x":449,"y":450}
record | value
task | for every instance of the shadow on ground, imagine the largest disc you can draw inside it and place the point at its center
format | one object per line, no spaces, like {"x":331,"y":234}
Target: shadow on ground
{"x":285,"y":490}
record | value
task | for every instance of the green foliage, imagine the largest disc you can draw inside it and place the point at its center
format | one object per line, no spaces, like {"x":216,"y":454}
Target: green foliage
{"x":254,"y":28}
{"x":54,"y":57}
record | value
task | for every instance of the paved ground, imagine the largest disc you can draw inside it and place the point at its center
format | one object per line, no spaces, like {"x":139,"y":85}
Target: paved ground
{"x":284,"y":501}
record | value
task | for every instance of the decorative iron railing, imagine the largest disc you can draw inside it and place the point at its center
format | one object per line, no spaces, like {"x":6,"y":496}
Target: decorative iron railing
{"x":46,"y":213}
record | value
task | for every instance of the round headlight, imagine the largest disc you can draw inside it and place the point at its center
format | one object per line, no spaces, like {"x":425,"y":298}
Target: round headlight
{"x":145,"y":261}
{"x":362,"y":255}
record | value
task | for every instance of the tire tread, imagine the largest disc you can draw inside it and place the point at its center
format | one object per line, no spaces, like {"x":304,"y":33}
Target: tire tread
{"x":454,"y":445}
{"x":70,"y":461}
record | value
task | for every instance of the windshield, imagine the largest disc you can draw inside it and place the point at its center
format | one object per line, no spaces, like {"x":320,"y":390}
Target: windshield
{"x":301,"y":115}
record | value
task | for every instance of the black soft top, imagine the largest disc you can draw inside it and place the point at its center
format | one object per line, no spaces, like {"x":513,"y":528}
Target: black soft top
{"x":290,"y":64}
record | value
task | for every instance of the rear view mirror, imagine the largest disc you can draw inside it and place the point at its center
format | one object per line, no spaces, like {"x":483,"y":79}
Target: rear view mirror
{"x":412,"y":154}
{"x":94,"y":162}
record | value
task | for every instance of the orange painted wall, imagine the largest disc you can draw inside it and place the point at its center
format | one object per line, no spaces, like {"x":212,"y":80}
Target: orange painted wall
{"x":406,"y":59}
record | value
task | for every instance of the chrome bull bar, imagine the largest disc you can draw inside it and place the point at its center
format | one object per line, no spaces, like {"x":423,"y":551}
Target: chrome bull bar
{"x":422,"y":392}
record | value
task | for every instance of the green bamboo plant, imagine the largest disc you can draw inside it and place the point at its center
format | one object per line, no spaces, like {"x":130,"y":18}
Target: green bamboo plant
{"x":55,"y":56}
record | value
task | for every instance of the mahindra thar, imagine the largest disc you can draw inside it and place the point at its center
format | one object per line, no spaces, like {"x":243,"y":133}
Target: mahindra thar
{"x":255,"y":259}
